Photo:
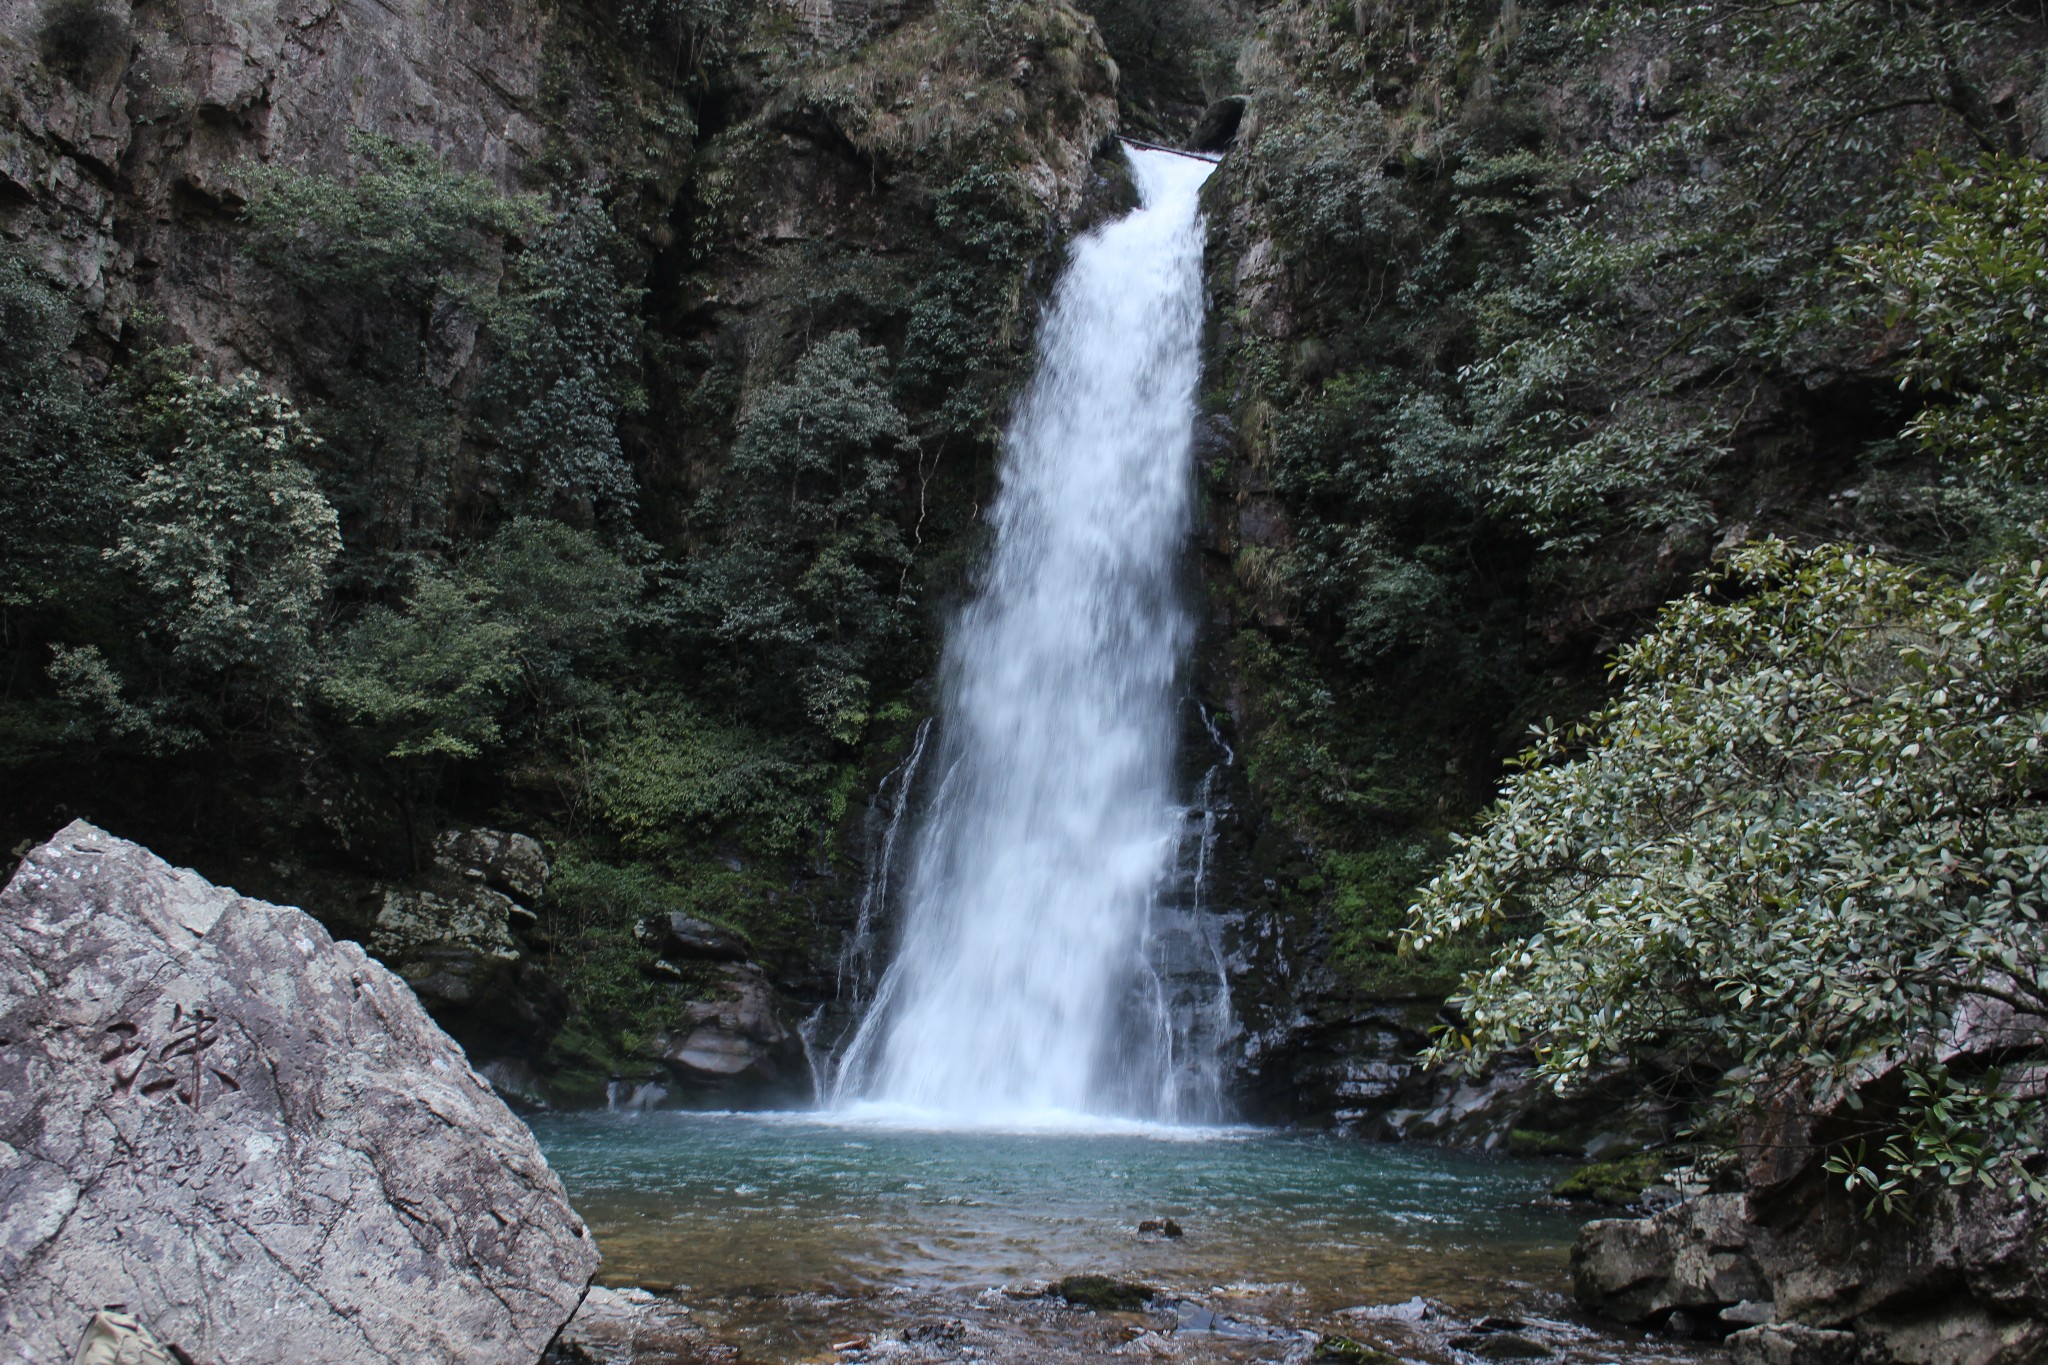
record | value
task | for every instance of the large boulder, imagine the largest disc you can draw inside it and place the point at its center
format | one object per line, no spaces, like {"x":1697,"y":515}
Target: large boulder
{"x":1693,"y":1257}
{"x":250,"y":1137}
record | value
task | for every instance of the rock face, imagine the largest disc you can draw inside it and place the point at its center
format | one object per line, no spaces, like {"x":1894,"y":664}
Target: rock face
{"x":457,"y":939}
{"x":1693,"y":1257}
{"x":1801,"y":1275}
{"x":250,"y":1136}
{"x":688,"y":939}
{"x":122,"y":171}
{"x":1810,"y":1279}
{"x":734,"y":1040}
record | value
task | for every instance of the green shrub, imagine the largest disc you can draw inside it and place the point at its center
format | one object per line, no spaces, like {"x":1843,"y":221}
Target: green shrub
{"x":1967,"y":275}
{"x":672,"y":779}
{"x":63,"y":479}
{"x":403,"y":228}
{"x":806,"y":587}
{"x":1808,"y":834}
{"x":567,"y":368}
{"x":230,"y":540}
{"x":530,"y":627}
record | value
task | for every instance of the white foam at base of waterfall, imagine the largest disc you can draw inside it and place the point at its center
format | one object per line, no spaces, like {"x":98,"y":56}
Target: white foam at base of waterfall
{"x":1021,"y":989}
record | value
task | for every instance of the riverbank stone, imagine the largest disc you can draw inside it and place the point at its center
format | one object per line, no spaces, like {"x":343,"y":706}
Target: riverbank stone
{"x":1691,"y":1257}
{"x":635,"y":1327}
{"x":250,"y":1137}
{"x":1105,"y":1294}
{"x":1791,"y":1344}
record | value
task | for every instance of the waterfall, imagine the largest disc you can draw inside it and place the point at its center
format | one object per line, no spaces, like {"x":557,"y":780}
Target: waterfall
{"x":1025,"y":960}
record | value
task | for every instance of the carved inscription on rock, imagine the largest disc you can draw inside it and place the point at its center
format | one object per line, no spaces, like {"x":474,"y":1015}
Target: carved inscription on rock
{"x":182,"y":1059}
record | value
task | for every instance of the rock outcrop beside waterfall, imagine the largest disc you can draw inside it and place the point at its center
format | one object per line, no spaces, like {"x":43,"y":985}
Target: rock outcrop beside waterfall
{"x":1812,"y":1280}
{"x":250,"y":1136}
{"x":1807,"y":1274}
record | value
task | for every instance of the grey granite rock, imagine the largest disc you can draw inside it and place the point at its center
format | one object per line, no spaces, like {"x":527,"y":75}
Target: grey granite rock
{"x":1790,"y":1344}
{"x":737,"y":1036}
{"x":512,"y":863}
{"x":250,"y":1136}
{"x":1693,"y":1256}
{"x":687,"y":938}
{"x":460,"y":941}
{"x":634,"y":1327}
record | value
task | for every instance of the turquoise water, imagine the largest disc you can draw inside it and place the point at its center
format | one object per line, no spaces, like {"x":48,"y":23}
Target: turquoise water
{"x":753,"y":1204}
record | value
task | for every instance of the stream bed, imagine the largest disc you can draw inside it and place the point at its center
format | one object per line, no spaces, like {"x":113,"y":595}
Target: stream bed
{"x":789,"y":1233}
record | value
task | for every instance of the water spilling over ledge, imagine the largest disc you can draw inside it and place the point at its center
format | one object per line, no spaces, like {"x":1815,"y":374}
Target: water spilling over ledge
{"x":1025,"y":981}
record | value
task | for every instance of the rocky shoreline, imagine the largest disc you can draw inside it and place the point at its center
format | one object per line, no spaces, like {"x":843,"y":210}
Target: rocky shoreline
{"x":251,"y":1140}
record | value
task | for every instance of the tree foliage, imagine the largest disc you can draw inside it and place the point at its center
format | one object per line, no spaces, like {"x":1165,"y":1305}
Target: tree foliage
{"x":1698,"y":264}
{"x":404,"y":227}
{"x":61,"y":476}
{"x":568,"y":351}
{"x":1967,"y":276}
{"x":671,"y":776}
{"x":230,"y":540}
{"x":522,"y":629}
{"x":806,"y":587}
{"x":1808,"y":838}
{"x":397,"y":266}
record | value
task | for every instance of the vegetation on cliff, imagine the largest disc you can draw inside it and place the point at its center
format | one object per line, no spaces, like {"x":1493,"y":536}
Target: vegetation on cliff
{"x":1806,"y":844}
{"x":604,"y":500}
{"x":1528,"y":314}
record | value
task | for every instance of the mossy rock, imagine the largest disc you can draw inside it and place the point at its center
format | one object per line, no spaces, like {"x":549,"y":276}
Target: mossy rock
{"x":1101,"y":1294}
{"x":1619,"y":1182}
{"x":1351,"y":1352}
{"x":1535,"y":1142}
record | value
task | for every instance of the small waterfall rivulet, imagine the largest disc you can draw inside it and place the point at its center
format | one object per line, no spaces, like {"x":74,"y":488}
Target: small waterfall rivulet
{"x":1049,"y":928}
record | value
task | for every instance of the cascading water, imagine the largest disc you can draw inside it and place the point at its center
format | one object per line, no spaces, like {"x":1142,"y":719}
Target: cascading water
{"x":1023,"y":961}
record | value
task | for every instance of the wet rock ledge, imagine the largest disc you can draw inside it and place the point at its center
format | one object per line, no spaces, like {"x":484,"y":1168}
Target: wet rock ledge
{"x":218,"y":1121}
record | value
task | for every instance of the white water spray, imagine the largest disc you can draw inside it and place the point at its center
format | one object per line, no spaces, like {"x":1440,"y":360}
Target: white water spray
{"x":1034,"y":876}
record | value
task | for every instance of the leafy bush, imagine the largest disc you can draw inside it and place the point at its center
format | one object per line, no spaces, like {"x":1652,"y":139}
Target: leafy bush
{"x":592,"y":914}
{"x":686,"y":33}
{"x":230,"y":540}
{"x":673,"y":778}
{"x":404,"y":228}
{"x":1967,"y":274}
{"x":1661,"y":304}
{"x":400,"y":264}
{"x":431,"y":679}
{"x":1808,"y":838}
{"x":806,"y":588}
{"x":569,"y":351}
{"x":530,"y":624}
{"x":61,"y":478}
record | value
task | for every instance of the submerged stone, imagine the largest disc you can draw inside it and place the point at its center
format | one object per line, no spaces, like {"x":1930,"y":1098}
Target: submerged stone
{"x":1103,"y":1294}
{"x":1336,"y":1348}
